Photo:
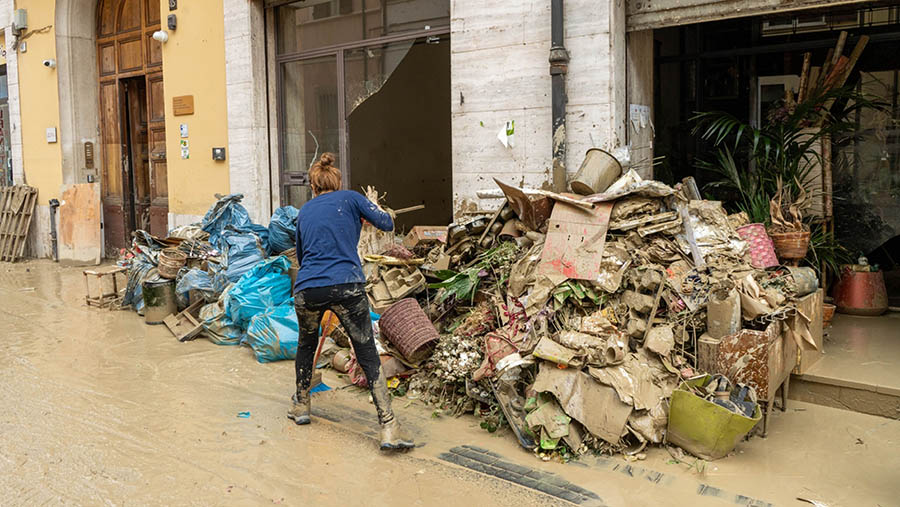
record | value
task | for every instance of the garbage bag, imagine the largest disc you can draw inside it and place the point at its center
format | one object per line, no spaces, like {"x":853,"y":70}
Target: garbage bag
{"x":194,"y":279}
{"x":217,"y":324}
{"x":226,"y":211}
{"x":265,"y":286}
{"x":218,"y":272}
{"x":282,"y":228}
{"x":142,"y":267}
{"x":273,"y":334}
{"x":242,"y":252}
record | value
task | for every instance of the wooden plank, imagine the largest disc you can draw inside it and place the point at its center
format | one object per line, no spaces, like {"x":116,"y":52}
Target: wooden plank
{"x":16,"y":211}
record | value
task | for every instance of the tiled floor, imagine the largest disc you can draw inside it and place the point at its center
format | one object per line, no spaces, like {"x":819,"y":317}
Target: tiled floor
{"x":861,"y":352}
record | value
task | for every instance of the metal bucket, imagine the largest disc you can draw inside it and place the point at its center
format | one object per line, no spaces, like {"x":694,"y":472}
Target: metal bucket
{"x":597,"y":172}
{"x":805,"y":281}
{"x":159,"y":300}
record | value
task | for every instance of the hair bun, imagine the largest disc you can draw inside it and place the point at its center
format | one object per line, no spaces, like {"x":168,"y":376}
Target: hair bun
{"x":327,"y":159}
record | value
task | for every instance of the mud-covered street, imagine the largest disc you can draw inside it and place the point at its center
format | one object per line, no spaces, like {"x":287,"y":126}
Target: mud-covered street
{"x":101,"y":409}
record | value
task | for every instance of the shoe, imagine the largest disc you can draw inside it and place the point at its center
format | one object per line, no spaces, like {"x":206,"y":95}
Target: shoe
{"x":393,"y":437}
{"x":299,"y":412}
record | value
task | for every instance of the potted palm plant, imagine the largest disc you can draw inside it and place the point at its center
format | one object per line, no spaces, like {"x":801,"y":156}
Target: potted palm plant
{"x":773,"y":169}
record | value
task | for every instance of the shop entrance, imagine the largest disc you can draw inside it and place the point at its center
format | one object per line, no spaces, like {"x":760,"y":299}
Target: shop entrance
{"x":132,"y":121}
{"x":370,"y":82}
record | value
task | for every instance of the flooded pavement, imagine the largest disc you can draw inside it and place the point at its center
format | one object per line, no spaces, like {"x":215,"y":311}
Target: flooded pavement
{"x":103,"y":409}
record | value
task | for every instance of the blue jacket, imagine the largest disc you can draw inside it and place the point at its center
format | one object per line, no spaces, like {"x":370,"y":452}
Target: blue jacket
{"x":328,"y":229}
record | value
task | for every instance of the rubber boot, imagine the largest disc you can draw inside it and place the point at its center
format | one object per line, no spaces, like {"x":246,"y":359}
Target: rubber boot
{"x":392,"y":434}
{"x":299,"y":412}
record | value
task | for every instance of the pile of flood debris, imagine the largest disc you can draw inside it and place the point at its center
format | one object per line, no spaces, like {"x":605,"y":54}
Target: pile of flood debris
{"x":570,"y":319}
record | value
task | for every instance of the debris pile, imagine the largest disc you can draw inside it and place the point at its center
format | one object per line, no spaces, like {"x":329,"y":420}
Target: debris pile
{"x":570,"y":319}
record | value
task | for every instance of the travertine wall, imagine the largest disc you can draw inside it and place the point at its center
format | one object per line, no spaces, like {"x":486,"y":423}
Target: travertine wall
{"x":500,"y":72}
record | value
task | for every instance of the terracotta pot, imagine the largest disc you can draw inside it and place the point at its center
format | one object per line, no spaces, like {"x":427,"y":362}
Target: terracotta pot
{"x":790,"y":246}
{"x":827,"y":313}
{"x":861,"y":293}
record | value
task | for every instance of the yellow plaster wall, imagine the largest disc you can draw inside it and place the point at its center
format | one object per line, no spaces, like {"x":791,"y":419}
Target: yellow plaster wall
{"x":39,"y":102}
{"x":194,"y":64}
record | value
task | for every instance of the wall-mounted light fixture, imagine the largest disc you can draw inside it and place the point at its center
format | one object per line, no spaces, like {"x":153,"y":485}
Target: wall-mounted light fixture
{"x":161,"y":36}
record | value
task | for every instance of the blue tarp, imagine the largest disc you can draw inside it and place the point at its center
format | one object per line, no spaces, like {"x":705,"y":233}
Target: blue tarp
{"x":227,"y":211}
{"x":194,"y":279}
{"x":265,"y":286}
{"x":282,"y":228}
{"x":242,"y":251}
{"x":273,"y":334}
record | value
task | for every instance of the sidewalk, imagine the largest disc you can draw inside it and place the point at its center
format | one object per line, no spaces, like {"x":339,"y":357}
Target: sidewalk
{"x":103,"y":407}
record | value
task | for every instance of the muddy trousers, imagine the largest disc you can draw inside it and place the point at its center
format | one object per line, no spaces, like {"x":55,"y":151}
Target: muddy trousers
{"x":350,"y":305}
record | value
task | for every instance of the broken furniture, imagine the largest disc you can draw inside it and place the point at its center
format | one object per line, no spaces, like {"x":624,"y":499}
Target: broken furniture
{"x":16,"y":209}
{"x":808,"y":354}
{"x":187,"y":324}
{"x":761,"y":359}
{"x":101,"y":298}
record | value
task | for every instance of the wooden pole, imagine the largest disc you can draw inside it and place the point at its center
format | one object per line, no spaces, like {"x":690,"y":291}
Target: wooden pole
{"x":804,"y":78}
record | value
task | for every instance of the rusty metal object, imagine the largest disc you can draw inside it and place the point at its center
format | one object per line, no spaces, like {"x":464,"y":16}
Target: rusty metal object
{"x":532,"y":213}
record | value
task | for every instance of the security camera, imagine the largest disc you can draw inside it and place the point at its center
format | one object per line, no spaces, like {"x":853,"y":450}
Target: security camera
{"x":161,"y":35}
{"x":51,"y":63}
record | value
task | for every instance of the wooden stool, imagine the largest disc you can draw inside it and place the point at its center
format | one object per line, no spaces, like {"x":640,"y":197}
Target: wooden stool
{"x":102,"y":299}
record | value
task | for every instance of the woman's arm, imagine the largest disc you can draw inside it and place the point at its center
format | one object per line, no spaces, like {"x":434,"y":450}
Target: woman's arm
{"x":297,"y":244}
{"x":376,"y":216}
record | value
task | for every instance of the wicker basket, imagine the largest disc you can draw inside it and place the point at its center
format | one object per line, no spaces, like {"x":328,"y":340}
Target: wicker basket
{"x":170,"y":261}
{"x":762,"y":251}
{"x":407,"y":327}
{"x":790,"y":246}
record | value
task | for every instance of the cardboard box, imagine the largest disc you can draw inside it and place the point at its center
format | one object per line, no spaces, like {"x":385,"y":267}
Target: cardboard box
{"x":425,"y":234}
{"x":811,"y":306}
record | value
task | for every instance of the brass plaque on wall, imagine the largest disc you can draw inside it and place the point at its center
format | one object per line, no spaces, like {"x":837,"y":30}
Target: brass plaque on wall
{"x":183,"y":105}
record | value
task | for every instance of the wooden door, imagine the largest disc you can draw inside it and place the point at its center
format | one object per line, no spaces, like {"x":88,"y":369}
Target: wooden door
{"x":132,"y":126}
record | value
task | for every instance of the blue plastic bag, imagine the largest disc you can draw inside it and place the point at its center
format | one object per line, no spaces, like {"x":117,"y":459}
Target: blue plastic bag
{"x":226,"y":211}
{"x":282,"y":229}
{"x":218,"y":326}
{"x":195,"y":279}
{"x":273,"y":334}
{"x":242,"y":252}
{"x":265,"y":286}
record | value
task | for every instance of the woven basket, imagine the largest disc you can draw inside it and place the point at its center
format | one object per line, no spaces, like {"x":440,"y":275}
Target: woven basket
{"x":170,"y":261}
{"x":762,"y":251}
{"x":407,"y":327}
{"x":790,"y":246}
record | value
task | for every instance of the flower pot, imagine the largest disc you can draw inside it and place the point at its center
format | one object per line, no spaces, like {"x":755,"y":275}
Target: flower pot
{"x":827,"y":313}
{"x":790,"y":246}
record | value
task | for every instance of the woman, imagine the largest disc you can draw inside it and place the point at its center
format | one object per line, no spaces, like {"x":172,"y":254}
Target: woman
{"x":331,"y":278}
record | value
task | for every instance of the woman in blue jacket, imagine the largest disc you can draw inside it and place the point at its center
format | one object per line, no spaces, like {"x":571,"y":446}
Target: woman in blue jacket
{"x":331,"y":278}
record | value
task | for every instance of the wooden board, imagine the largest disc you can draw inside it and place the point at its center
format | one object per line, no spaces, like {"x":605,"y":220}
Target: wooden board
{"x":575,"y":240}
{"x":16,"y":211}
{"x":80,"y":236}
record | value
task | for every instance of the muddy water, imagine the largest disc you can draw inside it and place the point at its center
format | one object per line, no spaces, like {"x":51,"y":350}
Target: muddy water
{"x":100,"y":408}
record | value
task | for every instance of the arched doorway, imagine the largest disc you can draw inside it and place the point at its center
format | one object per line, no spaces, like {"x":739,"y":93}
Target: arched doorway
{"x":132,"y":120}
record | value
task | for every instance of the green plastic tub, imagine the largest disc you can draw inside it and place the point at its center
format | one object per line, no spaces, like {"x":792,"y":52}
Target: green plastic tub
{"x":703,"y":428}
